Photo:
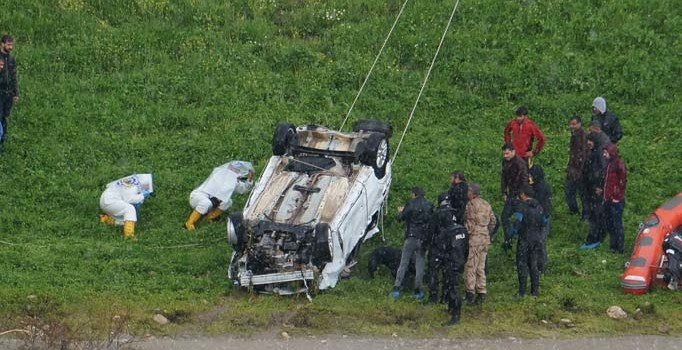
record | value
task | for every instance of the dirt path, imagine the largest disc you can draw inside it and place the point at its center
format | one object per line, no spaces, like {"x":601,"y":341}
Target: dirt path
{"x":348,"y":343}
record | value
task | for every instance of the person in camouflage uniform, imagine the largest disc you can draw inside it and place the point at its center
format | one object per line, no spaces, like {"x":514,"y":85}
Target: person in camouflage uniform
{"x":480,"y":222}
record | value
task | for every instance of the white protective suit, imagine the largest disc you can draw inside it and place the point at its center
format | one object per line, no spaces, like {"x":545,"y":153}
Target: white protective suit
{"x":223,"y":181}
{"x":120,"y":196}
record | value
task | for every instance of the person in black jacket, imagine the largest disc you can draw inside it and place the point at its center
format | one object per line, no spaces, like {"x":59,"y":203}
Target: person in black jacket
{"x":439,"y":245}
{"x":672,"y":246}
{"x":458,"y":252}
{"x":514,"y":177}
{"x":609,"y":121}
{"x":8,"y":83}
{"x":458,"y":194}
{"x":417,"y":217}
{"x":595,"y":168}
{"x":529,"y":220}
{"x":543,"y":194}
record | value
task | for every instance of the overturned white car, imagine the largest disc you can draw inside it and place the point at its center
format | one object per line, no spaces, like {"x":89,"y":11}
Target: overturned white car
{"x":320,"y":196}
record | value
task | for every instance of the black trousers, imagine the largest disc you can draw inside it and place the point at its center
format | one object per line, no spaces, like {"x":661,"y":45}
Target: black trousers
{"x":528,"y":256}
{"x":597,"y":219}
{"x":437,"y":272}
{"x":454,"y":272}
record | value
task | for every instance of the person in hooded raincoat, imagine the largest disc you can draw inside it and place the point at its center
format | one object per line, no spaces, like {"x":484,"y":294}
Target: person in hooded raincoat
{"x":609,"y":121}
{"x":121,"y":200}
{"x":615,"y":181}
{"x":214,"y":195}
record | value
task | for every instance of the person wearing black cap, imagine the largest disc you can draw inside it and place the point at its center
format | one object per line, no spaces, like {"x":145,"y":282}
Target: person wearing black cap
{"x":417,"y":217}
{"x":529,"y":220}
{"x":439,"y":247}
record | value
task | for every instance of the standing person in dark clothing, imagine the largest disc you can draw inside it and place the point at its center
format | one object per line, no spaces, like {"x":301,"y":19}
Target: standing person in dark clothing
{"x":514,"y":178}
{"x":593,"y":177}
{"x":615,"y":181}
{"x":609,"y":121}
{"x":577,"y":153}
{"x":417,"y":217}
{"x":543,"y":194}
{"x":595,"y":128}
{"x":439,"y":247}
{"x":458,"y":194}
{"x":521,"y":132}
{"x":528,"y":223}
{"x":9,"y":94}
{"x":456,"y":258}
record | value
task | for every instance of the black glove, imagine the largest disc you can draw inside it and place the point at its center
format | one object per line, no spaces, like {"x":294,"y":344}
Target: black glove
{"x":215,"y":202}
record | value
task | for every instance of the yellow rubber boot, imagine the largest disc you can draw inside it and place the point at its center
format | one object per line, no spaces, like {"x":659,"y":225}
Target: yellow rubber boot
{"x":214,"y":214}
{"x":129,"y":229}
{"x":106,"y":219}
{"x":192,"y":219}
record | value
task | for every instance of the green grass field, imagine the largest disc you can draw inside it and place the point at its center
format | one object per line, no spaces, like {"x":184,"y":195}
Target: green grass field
{"x":111,"y":88}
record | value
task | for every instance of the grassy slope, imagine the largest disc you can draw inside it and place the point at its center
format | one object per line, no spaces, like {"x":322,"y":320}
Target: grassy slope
{"x":117,"y":87}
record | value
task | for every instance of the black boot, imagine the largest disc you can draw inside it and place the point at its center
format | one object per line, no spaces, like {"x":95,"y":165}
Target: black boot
{"x":480,"y":297}
{"x":469,"y":298}
{"x":453,"y":321}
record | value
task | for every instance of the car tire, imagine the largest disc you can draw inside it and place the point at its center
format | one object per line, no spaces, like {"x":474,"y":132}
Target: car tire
{"x":375,"y":153}
{"x":322,"y":249}
{"x":236,"y":232}
{"x":284,"y":137}
{"x":374,"y":126}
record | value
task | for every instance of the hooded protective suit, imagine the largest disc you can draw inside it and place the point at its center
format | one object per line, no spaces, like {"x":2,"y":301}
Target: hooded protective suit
{"x":216,"y":191}
{"x":120,"y":197}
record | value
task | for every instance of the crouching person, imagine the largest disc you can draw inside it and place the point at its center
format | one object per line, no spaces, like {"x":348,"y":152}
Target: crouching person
{"x":480,"y":223}
{"x":529,"y":222}
{"x":417,"y":217}
{"x":672,"y":245}
{"x":214,"y":195}
{"x":121,"y":200}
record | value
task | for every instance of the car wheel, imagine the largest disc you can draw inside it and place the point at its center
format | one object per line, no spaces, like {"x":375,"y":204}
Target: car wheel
{"x":374,"y":126}
{"x":236,"y":232}
{"x":376,"y":153}
{"x":322,"y":248}
{"x":284,"y":137}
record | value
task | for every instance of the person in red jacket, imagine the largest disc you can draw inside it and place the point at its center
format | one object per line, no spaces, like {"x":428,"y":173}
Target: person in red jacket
{"x":521,"y":132}
{"x":613,"y":190}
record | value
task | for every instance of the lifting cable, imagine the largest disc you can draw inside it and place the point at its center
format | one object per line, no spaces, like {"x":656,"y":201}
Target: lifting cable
{"x":426,"y":78}
{"x":373,"y":64}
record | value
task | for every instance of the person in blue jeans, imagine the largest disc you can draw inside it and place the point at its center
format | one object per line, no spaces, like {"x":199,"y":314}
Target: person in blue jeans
{"x":417,"y":215}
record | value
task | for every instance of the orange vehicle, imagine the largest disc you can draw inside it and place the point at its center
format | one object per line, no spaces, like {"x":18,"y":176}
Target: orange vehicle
{"x":648,"y":257}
